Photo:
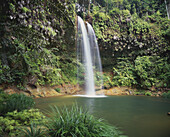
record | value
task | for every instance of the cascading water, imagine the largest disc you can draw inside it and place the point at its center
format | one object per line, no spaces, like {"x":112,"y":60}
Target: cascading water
{"x":84,"y":57}
{"x":96,"y":60}
{"x":88,"y":57}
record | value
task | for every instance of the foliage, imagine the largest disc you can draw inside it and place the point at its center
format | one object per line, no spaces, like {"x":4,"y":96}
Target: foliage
{"x":27,"y":116}
{"x":17,"y":102}
{"x":136,"y":6}
{"x":65,"y":122}
{"x":69,"y":70}
{"x":38,"y":35}
{"x":37,"y":40}
{"x":145,"y":71}
{"x":58,"y":90}
{"x":11,"y":123}
{"x":15,"y":113}
{"x":107,"y":81}
{"x":77,"y":122}
{"x":34,"y":131}
{"x":166,"y":95}
{"x":139,"y":93}
{"x":129,"y":29}
{"x":124,"y":75}
{"x":148,"y":94}
{"x":98,"y":78}
{"x":150,"y":70}
{"x":3,"y":97}
{"x":8,"y":126}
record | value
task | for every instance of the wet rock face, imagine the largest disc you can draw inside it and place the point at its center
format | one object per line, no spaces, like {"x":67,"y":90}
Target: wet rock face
{"x":89,"y":19}
{"x":41,"y":91}
{"x":116,"y":91}
{"x":45,"y":91}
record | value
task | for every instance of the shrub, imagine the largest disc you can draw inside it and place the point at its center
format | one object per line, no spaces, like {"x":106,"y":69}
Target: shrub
{"x":3,"y":97}
{"x":12,"y":121}
{"x":58,"y":90}
{"x":25,"y":117}
{"x":17,"y":102}
{"x":124,"y":73}
{"x":33,"y":131}
{"x":139,"y":93}
{"x":77,"y":122}
{"x":148,"y":94}
{"x":166,"y":95}
{"x":8,"y":126}
{"x":107,"y":81}
{"x":144,"y":72}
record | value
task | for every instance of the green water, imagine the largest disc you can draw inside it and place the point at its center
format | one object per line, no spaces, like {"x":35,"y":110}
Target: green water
{"x":136,"y":116}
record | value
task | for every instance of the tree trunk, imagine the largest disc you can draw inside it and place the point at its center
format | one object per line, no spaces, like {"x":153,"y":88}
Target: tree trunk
{"x":167,"y":4}
{"x":89,"y":7}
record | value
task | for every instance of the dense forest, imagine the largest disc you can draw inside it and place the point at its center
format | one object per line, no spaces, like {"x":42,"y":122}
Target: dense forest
{"x":38,"y":41}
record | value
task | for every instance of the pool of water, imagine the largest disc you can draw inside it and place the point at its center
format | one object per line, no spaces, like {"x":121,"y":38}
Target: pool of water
{"x":136,"y":116}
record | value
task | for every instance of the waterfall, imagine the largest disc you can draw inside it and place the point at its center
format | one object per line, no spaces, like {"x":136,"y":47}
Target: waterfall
{"x":96,"y":60}
{"x":84,"y":57}
{"x":89,"y":70}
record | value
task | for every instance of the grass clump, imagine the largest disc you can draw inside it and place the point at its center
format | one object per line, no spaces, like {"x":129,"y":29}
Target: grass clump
{"x":3,"y":97}
{"x":17,"y":102}
{"x":32,"y":131}
{"x":76,"y":122}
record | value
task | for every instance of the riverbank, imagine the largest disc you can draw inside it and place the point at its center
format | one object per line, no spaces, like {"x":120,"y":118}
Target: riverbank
{"x":37,"y":91}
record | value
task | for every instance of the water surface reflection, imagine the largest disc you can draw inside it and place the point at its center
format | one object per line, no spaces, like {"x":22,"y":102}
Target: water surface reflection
{"x":137,"y":116}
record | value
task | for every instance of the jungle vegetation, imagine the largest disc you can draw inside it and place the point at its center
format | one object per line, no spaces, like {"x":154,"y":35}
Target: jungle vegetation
{"x":37,"y":41}
{"x":18,"y":118}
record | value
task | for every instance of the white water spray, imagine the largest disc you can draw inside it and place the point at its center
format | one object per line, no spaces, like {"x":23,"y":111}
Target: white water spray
{"x":88,"y":56}
{"x":84,"y":56}
{"x":96,"y":60}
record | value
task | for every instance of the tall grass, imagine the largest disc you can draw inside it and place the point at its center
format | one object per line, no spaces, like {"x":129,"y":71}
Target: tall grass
{"x":32,"y":131}
{"x":17,"y":102}
{"x":76,"y":122}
